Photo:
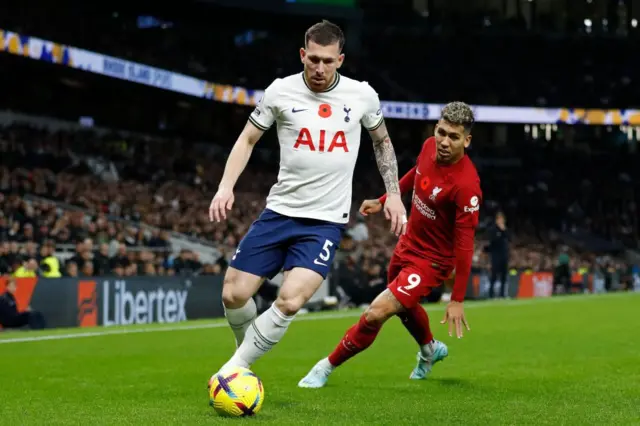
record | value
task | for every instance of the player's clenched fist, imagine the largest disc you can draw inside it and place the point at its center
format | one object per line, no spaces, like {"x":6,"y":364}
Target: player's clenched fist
{"x":370,"y":207}
{"x":222,"y":201}
{"x":395,"y":212}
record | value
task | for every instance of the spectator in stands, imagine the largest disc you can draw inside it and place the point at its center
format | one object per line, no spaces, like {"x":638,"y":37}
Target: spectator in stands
{"x":10,"y":317}
{"x":352,"y":283}
{"x":499,"y":238}
{"x":79,"y":256}
{"x":49,"y":264}
{"x":187,"y":263}
{"x":562,"y":273}
{"x":101,"y":261}
{"x":87,"y":269}
{"x":120,"y":261}
{"x":13,"y":257}
{"x":377,"y":281}
{"x":71,"y":270}
{"x":29,"y":269}
{"x":5,"y":265}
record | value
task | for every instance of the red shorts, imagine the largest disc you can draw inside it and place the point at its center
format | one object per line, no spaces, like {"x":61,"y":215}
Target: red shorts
{"x":411,"y":277}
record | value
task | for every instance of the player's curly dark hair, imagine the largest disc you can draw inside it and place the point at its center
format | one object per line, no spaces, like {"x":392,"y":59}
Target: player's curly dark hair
{"x":459,"y":113}
{"x":324,"y":33}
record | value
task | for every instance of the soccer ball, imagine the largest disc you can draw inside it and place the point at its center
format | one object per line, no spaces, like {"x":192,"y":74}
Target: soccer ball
{"x":236,"y":392}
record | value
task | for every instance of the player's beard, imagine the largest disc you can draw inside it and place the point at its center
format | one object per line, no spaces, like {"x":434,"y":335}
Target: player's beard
{"x":446,"y":156}
{"x":319,"y":83}
{"x":443,"y":155}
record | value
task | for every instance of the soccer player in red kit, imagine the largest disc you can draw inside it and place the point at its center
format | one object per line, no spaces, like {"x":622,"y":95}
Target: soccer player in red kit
{"x":439,"y":238}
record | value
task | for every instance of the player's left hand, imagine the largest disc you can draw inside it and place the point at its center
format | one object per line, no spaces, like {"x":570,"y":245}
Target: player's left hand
{"x":370,"y":207}
{"x":454,"y":315}
{"x":395,"y":212}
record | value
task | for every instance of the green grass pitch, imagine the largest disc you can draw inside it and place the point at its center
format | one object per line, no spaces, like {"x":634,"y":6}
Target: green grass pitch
{"x":567,"y":360}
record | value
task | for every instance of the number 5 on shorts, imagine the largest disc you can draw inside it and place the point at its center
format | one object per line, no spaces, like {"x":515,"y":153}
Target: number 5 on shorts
{"x":325,"y":254}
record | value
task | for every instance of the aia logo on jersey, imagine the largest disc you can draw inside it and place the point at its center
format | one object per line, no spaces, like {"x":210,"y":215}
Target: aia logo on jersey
{"x":338,"y":141}
{"x":475,"y":205}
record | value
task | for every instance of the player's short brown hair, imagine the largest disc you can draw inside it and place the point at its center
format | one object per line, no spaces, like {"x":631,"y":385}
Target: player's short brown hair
{"x":324,"y":33}
{"x":459,"y":113}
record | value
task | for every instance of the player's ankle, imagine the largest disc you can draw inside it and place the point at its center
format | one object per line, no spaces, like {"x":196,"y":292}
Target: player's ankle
{"x":326,"y":364}
{"x":427,"y":349}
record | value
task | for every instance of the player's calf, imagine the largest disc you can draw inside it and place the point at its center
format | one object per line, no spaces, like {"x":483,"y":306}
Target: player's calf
{"x":240,"y":309}
{"x":362,"y":335}
{"x":266,"y":331}
{"x":356,"y":339}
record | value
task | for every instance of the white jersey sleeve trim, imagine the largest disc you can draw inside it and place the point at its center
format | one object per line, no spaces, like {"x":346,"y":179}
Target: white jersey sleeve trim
{"x":265,"y":113}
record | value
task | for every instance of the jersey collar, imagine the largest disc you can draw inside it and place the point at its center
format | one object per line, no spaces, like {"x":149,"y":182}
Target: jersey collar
{"x":332,"y":86}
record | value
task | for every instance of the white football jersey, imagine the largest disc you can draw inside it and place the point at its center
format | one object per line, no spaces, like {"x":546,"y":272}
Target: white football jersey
{"x":319,"y":136}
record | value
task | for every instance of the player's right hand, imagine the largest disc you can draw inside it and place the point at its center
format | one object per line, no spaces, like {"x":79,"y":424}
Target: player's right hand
{"x":370,"y":207}
{"x":454,"y":316}
{"x":222,"y":201}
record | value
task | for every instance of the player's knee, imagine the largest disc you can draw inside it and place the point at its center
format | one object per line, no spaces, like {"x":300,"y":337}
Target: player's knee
{"x":379,"y":312}
{"x":289,"y":305}
{"x":234,"y":295}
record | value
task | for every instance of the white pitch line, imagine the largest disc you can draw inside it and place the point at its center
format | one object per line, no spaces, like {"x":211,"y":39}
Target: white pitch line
{"x":338,"y":315}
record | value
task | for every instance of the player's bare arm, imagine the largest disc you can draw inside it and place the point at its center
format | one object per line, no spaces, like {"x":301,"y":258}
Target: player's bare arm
{"x":237,"y":161}
{"x":386,"y":159}
{"x":375,"y":206}
{"x":388,"y":165}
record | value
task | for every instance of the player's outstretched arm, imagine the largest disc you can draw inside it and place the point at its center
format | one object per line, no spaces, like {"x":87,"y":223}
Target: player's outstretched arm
{"x":467,"y":201}
{"x":388,"y":165}
{"x":454,"y":314}
{"x":237,"y":161}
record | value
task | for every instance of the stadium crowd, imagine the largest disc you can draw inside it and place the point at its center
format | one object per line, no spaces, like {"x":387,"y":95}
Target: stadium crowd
{"x":105,"y":205}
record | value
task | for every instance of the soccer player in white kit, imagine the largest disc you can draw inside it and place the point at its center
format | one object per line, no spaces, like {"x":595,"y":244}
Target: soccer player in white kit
{"x":318,"y":114}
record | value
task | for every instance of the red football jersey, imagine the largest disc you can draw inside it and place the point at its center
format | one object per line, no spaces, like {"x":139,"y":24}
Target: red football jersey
{"x":444,"y":212}
{"x":445,"y":197}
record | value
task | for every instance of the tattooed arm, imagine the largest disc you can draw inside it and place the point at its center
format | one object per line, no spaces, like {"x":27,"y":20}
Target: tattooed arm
{"x":388,"y":165}
{"x":386,"y":158}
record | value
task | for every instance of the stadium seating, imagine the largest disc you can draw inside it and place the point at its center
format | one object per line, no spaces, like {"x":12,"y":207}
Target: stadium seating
{"x":51,"y":194}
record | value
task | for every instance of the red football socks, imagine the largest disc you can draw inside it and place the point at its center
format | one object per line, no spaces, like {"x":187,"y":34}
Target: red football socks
{"x":356,"y":339}
{"x":416,"y":321}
